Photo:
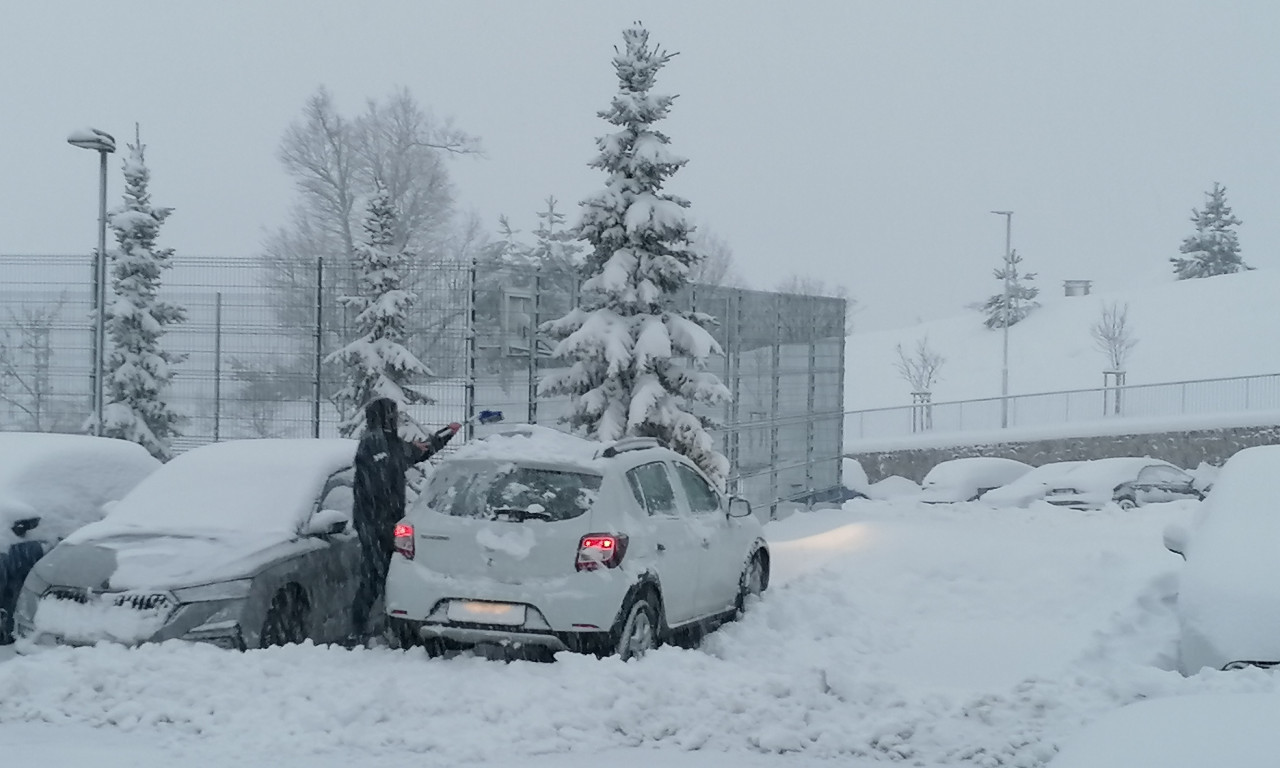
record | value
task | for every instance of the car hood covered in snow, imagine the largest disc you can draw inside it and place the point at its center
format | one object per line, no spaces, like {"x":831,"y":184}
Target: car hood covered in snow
{"x":160,"y":561}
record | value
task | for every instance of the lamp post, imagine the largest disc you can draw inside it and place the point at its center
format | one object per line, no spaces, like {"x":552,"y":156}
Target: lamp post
{"x":1004,"y":369}
{"x":102,"y":143}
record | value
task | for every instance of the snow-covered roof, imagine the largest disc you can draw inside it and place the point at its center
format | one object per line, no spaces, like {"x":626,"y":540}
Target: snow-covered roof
{"x":268,"y":487}
{"x":1105,"y":474}
{"x":532,"y":442}
{"x":64,"y":479}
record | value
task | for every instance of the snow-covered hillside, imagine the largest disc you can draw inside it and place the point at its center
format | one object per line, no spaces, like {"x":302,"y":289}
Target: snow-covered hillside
{"x":1191,"y":329}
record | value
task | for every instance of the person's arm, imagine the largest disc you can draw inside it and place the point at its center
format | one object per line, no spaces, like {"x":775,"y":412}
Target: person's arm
{"x":421,"y":451}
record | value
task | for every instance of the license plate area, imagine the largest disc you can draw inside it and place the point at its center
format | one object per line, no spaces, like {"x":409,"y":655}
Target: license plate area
{"x":485,"y":612}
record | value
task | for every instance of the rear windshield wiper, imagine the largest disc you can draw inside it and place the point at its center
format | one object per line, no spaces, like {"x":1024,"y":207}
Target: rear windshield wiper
{"x":519,"y":514}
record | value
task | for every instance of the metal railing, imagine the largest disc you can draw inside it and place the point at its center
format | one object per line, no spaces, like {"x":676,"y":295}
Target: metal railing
{"x":1197,"y":397}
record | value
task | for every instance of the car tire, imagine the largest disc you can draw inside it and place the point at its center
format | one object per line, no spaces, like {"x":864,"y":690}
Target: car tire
{"x":638,"y":632}
{"x":753,"y":581}
{"x":401,"y":635}
{"x":1126,"y":503}
{"x":286,"y":622}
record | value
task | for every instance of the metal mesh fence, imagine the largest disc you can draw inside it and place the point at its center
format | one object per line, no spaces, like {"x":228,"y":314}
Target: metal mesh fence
{"x":257,"y":335}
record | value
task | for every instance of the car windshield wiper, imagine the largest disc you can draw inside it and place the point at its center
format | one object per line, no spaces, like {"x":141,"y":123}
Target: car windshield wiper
{"x":519,"y":514}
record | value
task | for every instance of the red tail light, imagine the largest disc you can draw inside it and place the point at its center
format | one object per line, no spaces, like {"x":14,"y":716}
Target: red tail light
{"x":601,"y":550}
{"x":404,"y":540}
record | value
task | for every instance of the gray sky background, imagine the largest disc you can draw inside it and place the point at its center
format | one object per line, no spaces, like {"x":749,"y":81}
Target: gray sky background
{"x":862,"y":143}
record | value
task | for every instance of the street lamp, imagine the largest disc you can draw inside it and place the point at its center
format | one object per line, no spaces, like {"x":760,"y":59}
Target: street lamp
{"x":102,"y":143}
{"x":1004,"y":370}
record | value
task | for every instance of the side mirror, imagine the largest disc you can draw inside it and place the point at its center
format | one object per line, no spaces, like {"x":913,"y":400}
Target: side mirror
{"x":1175,"y":539}
{"x":739,"y":507}
{"x":24,"y":526}
{"x":327,"y":522}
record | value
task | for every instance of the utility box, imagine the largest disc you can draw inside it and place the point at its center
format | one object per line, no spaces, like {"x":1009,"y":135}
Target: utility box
{"x":1076,"y":287}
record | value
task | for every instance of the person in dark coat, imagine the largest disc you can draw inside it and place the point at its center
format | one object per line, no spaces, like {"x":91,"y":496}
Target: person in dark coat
{"x":382,"y":459}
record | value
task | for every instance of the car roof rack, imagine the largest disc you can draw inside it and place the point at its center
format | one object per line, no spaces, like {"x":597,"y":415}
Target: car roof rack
{"x":630,"y":444}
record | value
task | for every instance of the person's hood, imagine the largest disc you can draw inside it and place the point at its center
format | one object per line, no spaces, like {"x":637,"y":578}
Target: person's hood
{"x":145,"y":561}
{"x":380,"y":415}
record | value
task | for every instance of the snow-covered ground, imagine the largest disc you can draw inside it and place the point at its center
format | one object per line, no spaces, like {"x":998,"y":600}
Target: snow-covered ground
{"x":894,"y":632}
{"x":1188,"y":329}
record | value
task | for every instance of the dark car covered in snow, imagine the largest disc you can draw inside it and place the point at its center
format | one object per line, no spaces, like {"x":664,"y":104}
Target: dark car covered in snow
{"x":241,"y":544}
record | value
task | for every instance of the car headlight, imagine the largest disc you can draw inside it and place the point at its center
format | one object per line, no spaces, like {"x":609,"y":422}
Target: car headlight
{"x":222,"y":590}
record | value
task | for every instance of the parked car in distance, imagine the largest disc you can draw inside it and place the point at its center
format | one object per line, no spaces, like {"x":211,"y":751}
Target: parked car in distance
{"x":242,"y":544}
{"x":1229,"y":590}
{"x":1030,"y":487}
{"x":539,"y":541}
{"x":1127,"y":481}
{"x":50,"y":485}
{"x":967,"y":479}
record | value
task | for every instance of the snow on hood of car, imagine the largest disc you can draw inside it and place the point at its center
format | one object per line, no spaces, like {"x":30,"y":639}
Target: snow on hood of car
{"x":64,"y":479}
{"x":1229,"y":593}
{"x":1031,"y":486}
{"x":531,"y":442}
{"x":159,"y":562}
{"x":266,"y":488}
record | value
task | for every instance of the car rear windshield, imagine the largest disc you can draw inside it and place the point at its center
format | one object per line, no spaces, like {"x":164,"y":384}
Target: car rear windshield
{"x":508,"y":491}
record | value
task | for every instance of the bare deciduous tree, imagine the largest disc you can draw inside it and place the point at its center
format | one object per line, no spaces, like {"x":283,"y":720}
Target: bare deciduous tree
{"x":920,"y":369}
{"x":717,"y":265}
{"x":812,"y":286}
{"x":1113,"y":335}
{"x":26,"y":360}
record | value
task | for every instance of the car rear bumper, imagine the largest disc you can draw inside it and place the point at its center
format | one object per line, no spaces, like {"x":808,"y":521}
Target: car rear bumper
{"x":578,"y":602}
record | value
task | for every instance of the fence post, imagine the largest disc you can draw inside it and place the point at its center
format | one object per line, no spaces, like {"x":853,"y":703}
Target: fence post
{"x":469,"y":390}
{"x":733,"y":368}
{"x":217,"y":366}
{"x":775,"y":365}
{"x":533,"y":347}
{"x":319,"y":352}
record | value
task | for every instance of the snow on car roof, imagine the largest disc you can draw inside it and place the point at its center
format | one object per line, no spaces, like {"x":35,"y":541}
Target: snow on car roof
{"x":65,"y":479}
{"x":531,"y":442}
{"x":266,"y":487}
{"x":1108,"y":473}
{"x":976,"y":468}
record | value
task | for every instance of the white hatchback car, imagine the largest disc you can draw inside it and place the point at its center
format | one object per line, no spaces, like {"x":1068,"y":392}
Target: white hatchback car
{"x":534,"y":539}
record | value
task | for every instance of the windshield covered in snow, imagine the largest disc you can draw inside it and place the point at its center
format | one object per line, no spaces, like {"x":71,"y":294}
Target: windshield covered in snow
{"x":490,"y":490}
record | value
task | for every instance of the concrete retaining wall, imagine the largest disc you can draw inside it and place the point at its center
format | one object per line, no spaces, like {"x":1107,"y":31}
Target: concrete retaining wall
{"x":1187,"y":448}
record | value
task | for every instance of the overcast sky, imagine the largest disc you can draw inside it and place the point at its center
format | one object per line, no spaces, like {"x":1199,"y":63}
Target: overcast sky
{"x":860,"y":142}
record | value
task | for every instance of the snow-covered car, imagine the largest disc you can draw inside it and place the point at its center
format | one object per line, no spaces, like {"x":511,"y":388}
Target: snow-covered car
{"x":1229,"y":590}
{"x":241,"y":544}
{"x":542,"y":541}
{"x":967,"y":479}
{"x":1127,"y":481}
{"x":1030,"y":487}
{"x":50,"y":485}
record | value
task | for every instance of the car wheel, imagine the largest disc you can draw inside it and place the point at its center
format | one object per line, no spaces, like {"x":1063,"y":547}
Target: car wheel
{"x":400,"y":635}
{"x":753,"y":581}
{"x":286,"y":621}
{"x":1127,"y":503}
{"x":639,"y":631}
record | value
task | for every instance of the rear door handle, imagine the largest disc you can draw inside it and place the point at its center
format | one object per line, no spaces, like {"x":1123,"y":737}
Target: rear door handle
{"x":706,"y":543}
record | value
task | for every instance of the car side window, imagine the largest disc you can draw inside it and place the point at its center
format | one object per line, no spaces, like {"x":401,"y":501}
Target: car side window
{"x":703,"y":500}
{"x":1159,"y":474}
{"x":652,"y":488}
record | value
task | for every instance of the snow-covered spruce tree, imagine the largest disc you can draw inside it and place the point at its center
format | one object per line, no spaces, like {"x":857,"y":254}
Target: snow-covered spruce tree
{"x":376,"y":363}
{"x":1022,"y":295}
{"x":1215,"y":247}
{"x":556,"y":248}
{"x":624,"y":337}
{"x":138,"y":371}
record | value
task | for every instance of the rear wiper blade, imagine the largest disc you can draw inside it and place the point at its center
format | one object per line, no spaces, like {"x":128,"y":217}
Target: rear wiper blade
{"x":519,"y":514}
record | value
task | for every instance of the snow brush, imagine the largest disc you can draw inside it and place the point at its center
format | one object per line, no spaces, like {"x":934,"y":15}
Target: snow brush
{"x":483,"y":417}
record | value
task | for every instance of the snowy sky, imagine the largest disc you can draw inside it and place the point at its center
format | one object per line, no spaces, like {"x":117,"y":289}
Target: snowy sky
{"x":863,"y":143}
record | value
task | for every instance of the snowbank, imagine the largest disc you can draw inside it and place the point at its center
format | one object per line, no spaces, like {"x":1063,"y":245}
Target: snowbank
{"x":935,"y":635}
